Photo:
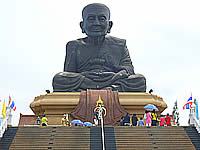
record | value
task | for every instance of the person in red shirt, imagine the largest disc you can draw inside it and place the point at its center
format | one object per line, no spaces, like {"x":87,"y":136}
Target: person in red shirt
{"x":168,"y":120}
{"x":162,"y":120}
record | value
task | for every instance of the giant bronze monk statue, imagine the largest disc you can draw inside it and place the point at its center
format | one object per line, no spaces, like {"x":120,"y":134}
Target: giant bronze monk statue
{"x":98,"y":61}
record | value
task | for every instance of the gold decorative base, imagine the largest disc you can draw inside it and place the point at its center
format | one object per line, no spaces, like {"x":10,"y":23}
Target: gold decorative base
{"x":55,"y":104}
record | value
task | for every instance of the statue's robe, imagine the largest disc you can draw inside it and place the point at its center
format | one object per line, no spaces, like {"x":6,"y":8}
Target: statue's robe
{"x":87,"y":103}
{"x":90,"y":66}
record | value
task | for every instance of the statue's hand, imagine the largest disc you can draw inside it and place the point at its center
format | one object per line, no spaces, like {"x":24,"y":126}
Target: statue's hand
{"x":123,"y":73}
{"x":120,"y":75}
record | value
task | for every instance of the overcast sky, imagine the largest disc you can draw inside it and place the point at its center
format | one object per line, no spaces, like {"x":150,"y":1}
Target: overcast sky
{"x":163,"y":38}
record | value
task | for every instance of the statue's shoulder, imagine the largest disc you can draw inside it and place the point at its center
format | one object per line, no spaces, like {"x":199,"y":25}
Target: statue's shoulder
{"x":115,"y":40}
{"x":75,"y":42}
{"x":72,"y":45}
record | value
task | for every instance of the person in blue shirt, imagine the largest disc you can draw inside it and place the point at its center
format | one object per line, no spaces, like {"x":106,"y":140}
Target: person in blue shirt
{"x":141,"y":122}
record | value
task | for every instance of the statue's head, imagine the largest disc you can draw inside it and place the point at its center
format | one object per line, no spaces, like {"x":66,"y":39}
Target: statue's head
{"x":96,"y":20}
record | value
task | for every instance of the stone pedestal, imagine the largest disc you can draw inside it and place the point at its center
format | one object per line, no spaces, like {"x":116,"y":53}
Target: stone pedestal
{"x":55,"y":104}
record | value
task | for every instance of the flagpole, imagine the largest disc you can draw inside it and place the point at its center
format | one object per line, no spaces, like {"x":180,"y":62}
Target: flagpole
{"x":9,"y":115}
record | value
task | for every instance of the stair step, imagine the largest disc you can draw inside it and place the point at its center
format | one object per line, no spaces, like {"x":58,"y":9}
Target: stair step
{"x":122,"y":138}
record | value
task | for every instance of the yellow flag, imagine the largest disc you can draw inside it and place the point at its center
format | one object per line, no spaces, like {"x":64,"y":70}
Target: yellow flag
{"x":4,"y":109}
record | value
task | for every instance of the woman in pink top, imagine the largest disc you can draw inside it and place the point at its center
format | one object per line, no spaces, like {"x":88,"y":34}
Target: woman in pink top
{"x":148,"y":119}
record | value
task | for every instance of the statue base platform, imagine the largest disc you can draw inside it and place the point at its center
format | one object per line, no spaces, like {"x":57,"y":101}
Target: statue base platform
{"x":55,"y":104}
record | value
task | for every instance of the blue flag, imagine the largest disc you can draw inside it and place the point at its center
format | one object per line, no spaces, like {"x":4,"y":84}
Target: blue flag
{"x":188,"y":105}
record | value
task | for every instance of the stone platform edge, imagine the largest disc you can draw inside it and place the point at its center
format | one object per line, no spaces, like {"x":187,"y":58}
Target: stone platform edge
{"x":69,"y":100}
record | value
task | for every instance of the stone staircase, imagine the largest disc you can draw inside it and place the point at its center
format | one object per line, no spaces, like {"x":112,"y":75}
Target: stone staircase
{"x":117,"y":138}
{"x":194,"y":136}
{"x":166,"y":138}
{"x":71,"y":138}
{"x":31,"y":138}
{"x":96,"y":141}
{"x":7,"y":138}
{"x":57,"y":138}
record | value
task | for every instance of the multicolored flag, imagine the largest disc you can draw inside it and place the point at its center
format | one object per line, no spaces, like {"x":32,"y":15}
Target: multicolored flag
{"x":189,"y":103}
{"x":4,"y":109}
{"x":12,"y":104}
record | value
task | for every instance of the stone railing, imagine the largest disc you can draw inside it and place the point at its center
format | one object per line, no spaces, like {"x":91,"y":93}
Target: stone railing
{"x":5,"y":122}
{"x":194,"y":122}
{"x":3,"y":126}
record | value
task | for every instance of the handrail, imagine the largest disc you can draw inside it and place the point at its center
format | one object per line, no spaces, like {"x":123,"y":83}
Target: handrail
{"x":102,"y":133}
{"x":3,"y":126}
{"x":195,"y":122}
{"x":4,"y":122}
{"x":101,"y":111}
{"x":193,"y":119}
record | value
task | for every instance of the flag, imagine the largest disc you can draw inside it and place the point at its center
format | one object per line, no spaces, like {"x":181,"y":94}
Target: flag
{"x":11,"y":103}
{"x":188,"y":104}
{"x":189,"y":99}
{"x":4,"y":109}
{"x":9,"y":100}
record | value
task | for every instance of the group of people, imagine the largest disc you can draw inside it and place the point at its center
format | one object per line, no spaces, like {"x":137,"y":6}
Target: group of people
{"x":65,"y":121}
{"x":165,"y":120}
{"x":127,"y":120}
{"x":42,"y":121}
{"x":150,"y":118}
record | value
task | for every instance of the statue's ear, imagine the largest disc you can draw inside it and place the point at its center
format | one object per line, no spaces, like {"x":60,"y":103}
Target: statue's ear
{"x":110,"y":26}
{"x":81,"y":25}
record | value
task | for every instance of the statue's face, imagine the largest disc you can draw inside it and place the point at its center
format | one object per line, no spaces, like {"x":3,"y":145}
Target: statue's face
{"x":96,"y":21}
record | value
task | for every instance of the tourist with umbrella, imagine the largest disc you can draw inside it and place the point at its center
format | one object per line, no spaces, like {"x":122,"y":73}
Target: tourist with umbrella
{"x":150,"y":107}
{"x":87,"y":124}
{"x":77,"y":122}
{"x":151,"y":118}
{"x":148,"y":118}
